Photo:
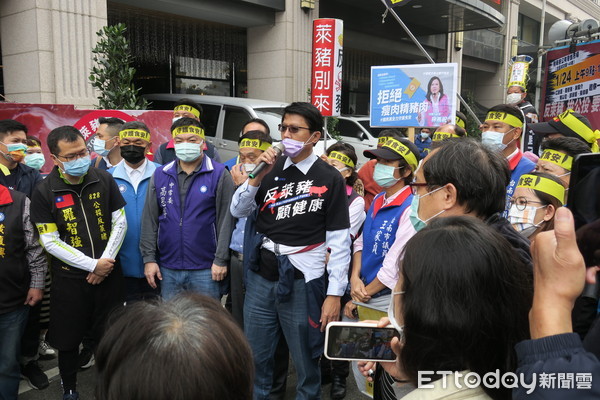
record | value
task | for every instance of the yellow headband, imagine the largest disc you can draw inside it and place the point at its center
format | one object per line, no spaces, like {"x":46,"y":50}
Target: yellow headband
{"x":504,"y":117}
{"x":188,"y":129}
{"x":136,"y":133}
{"x":344,"y":159}
{"x":580,"y":128}
{"x":398,"y":147}
{"x":555,"y":157}
{"x":460,"y":122}
{"x":543,"y":185}
{"x":381,"y":141}
{"x":254,"y":144}
{"x":189,"y":109}
{"x":439,"y":136}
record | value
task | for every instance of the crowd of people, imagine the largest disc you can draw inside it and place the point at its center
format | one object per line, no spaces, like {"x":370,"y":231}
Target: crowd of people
{"x":133,"y":258}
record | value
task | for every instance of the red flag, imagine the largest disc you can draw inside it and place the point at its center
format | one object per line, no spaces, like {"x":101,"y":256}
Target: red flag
{"x":64,"y":201}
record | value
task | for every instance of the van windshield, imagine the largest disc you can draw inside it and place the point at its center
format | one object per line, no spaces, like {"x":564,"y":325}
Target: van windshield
{"x":272,"y":117}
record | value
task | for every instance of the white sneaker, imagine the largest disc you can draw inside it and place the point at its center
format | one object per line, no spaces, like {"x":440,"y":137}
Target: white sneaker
{"x":45,"y":349}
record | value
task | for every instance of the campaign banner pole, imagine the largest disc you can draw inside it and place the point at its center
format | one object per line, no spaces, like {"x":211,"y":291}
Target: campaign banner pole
{"x":426,"y":54}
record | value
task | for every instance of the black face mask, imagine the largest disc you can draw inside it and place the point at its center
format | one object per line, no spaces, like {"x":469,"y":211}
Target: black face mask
{"x":133,"y":154}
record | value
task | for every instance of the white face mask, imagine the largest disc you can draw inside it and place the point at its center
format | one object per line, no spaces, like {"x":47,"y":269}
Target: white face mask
{"x":524,"y":220}
{"x":249,"y":167}
{"x":175,"y":119}
{"x":493,"y":140}
{"x":513,"y":98}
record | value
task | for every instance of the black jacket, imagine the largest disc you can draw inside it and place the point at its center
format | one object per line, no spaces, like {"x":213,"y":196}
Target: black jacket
{"x":519,"y":243}
{"x":27,"y":178}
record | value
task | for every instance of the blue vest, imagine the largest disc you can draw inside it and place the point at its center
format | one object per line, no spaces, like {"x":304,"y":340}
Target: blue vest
{"x":130,"y":255}
{"x":187,"y":235}
{"x":379,"y":232}
{"x":524,"y":166}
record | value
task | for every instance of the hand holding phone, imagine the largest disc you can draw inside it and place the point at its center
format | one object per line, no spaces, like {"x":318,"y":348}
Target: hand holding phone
{"x":359,"y":341}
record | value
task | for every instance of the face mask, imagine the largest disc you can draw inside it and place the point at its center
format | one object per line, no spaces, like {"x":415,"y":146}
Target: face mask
{"x":424,"y":136}
{"x":15,"y":151}
{"x":77,"y":167}
{"x":188,"y":152}
{"x":175,"y":119}
{"x":249,"y":167}
{"x":493,"y":140}
{"x":99,"y":147}
{"x":417,"y":222}
{"x":133,"y":154}
{"x":513,"y":98}
{"x":35,"y":160}
{"x":383,"y":175}
{"x":524,"y":220}
{"x":392,"y":318}
{"x":341,"y":169}
{"x":294,"y":147}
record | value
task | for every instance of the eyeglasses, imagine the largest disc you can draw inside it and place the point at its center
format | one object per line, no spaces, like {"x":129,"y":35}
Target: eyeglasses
{"x":521,"y":202}
{"x":414,"y":186}
{"x":72,"y":157}
{"x":292,"y":129}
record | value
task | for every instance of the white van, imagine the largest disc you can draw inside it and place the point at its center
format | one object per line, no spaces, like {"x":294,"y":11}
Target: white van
{"x":356,"y":130}
{"x":223,"y":117}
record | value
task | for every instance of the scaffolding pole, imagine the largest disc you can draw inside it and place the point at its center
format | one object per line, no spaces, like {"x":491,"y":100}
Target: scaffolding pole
{"x":431,"y":60}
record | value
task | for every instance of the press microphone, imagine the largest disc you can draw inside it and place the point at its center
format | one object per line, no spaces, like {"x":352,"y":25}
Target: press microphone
{"x":279,"y":147}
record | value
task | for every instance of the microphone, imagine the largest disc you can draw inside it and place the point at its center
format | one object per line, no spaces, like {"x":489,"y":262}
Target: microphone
{"x":279,"y":147}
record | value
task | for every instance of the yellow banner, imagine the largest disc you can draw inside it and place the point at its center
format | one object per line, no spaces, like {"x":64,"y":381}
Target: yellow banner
{"x":134,"y":133}
{"x":254,"y":144}
{"x":344,"y":159}
{"x":544,"y":185}
{"x":504,"y":117}
{"x":189,"y":109}
{"x":188,"y":129}
{"x":397,"y":147}
{"x":556,"y":157}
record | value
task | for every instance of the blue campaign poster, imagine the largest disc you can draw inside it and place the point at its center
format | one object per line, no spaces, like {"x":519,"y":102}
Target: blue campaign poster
{"x":413,"y":95}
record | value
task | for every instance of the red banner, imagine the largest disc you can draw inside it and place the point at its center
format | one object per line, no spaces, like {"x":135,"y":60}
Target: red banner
{"x":327,"y":52}
{"x":573,"y":81}
{"x":40,"y":119}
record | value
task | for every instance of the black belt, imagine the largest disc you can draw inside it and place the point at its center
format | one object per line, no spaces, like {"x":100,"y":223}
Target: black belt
{"x":240,"y":256}
{"x":269,"y":266}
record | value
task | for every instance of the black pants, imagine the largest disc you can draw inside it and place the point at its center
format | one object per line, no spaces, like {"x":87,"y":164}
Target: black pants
{"x":30,"y":340}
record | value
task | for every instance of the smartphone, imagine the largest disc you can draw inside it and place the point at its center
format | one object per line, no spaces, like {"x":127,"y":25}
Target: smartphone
{"x":352,"y":341}
{"x":584,"y":201}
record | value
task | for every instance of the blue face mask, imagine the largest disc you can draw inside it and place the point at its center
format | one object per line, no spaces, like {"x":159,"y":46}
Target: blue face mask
{"x":417,"y":222}
{"x":77,"y":167}
{"x":15,"y":151}
{"x":99,"y":146}
{"x":188,"y":152}
{"x":383,"y":175}
{"x":35,"y":160}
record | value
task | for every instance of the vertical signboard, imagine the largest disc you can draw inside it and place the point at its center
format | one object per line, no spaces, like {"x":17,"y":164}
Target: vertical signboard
{"x":572,"y":82}
{"x":327,"y":51}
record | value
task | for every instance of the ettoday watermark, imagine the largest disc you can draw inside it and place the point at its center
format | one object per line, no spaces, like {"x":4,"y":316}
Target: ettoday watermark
{"x":511,"y":380}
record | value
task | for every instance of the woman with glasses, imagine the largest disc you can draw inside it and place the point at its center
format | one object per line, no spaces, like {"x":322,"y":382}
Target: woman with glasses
{"x":534,"y":203}
{"x":459,"y":311}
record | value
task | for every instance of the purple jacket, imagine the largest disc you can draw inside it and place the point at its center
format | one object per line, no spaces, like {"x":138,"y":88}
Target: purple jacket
{"x":187,"y":235}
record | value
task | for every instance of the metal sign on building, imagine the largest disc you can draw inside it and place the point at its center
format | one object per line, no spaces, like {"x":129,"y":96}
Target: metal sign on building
{"x":327,"y":54}
{"x":573,"y":81}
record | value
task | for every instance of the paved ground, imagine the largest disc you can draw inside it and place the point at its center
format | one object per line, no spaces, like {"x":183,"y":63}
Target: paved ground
{"x":86,"y":382}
